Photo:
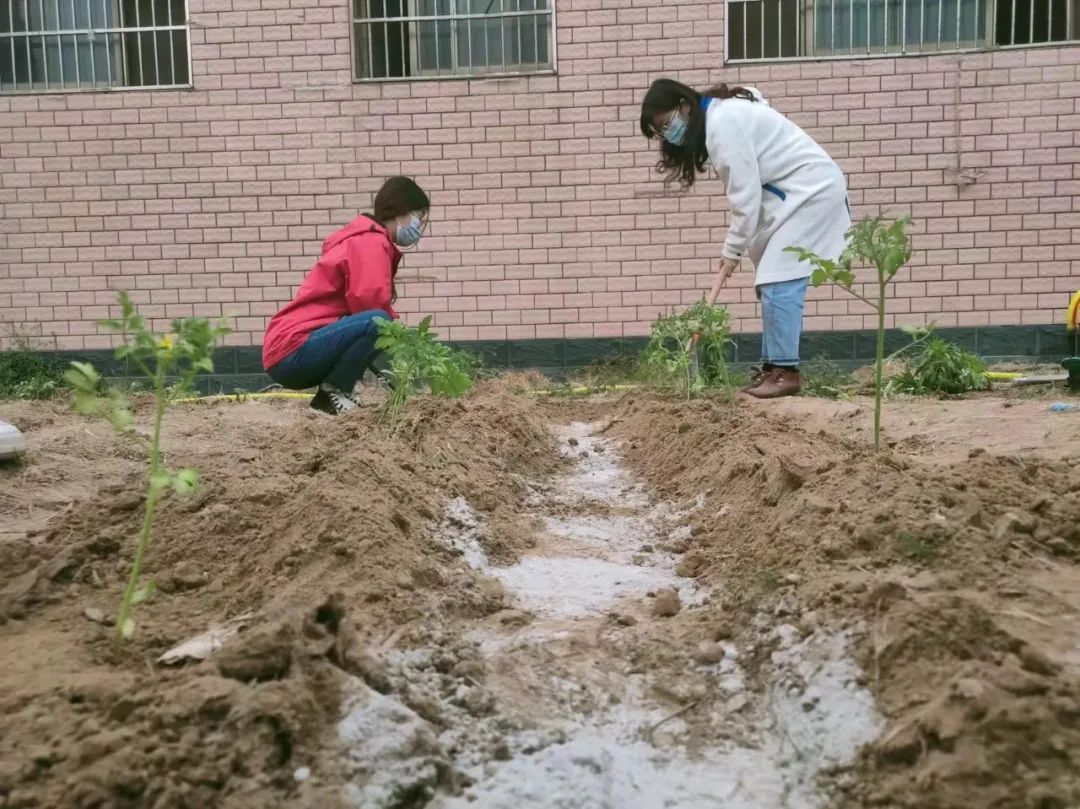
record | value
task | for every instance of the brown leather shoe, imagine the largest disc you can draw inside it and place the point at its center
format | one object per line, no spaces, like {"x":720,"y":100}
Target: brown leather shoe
{"x":779,"y":382}
{"x":757,"y":376}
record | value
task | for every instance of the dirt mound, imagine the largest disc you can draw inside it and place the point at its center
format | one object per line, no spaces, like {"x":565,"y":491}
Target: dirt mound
{"x":291,"y":511}
{"x":930,"y":558}
{"x":340,"y":559}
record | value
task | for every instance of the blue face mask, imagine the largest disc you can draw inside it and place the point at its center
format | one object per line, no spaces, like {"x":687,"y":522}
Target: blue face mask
{"x":409,"y":235}
{"x":675,"y":131}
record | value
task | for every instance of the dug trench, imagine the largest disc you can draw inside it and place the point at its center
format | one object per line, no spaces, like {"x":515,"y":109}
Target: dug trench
{"x":612,"y":603}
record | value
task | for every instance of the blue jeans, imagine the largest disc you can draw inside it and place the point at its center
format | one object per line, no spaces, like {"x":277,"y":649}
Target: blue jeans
{"x":781,"y":320}
{"x":337,"y":354}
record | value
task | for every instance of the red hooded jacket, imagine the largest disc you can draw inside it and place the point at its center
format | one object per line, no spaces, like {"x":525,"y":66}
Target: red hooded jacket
{"x":355,"y":274}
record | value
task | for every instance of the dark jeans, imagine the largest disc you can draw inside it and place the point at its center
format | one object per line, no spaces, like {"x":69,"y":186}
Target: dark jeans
{"x":338,"y":354}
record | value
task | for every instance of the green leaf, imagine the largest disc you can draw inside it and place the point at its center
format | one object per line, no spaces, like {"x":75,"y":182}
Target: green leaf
{"x":87,"y":403}
{"x":186,"y":482}
{"x":160,"y":481}
{"x":918,"y":332}
{"x":452,"y":382}
{"x":818,"y":277}
{"x":83,"y":377}
{"x":143,"y":593}
{"x":844,"y":278}
{"x":119,"y":412}
{"x":127,"y":629}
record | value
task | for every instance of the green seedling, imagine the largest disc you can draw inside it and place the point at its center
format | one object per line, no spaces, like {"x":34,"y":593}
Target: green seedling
{"x":886,"y":248}
{"x":668,"y":356}
{"x":178,"y":356}
{"x":417,"y":359}
{"x":942,"y":367}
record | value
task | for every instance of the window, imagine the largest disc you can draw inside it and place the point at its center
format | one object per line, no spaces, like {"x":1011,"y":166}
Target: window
{"x":50,"y":45}
{"x":414,"y":39}
{"x":795,"y":29}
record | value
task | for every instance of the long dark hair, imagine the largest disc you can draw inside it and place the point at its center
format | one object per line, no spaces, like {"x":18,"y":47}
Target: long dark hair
{"x":683,"y":163}
{"x":397,"y":197}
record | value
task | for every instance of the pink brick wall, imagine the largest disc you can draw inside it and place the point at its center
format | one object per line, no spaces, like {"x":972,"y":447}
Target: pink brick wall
{"x":548,"y":218}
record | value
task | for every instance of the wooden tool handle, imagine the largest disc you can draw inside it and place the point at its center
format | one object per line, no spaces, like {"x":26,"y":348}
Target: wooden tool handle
{"x":714,"y":293}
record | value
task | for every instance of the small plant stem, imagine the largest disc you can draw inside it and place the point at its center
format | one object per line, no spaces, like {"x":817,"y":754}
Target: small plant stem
{"x":153,"y":492}
{"x":398,"y":396}
{"x":880,"y":363}
{"x":909,"y":346}
{"x":851,"y":291}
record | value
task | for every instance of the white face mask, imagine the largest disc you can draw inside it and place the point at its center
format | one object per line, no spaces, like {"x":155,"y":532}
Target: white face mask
{"x":409,"y":235}
{"x":675,"y":131}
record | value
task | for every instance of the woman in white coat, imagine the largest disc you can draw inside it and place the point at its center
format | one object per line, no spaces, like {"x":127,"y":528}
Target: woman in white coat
{"x":784,"y":191}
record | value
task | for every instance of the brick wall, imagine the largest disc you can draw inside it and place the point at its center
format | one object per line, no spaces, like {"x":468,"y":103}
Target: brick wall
{"x":548,"y":218}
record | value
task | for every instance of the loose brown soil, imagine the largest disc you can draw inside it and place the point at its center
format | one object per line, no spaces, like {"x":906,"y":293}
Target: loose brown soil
{"x":320,"y":526}
{"x":956,"y":548}
{"x":952,"y":556}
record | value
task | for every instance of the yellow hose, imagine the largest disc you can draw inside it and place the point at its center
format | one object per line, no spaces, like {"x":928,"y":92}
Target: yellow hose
{"x":1072,"y":314}
{"x":1002,"y":376}
{"x":243,"y":397}
{"x":585,"y":389}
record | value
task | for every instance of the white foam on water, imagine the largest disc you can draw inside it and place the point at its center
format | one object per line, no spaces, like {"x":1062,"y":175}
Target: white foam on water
{"x":571,"y":586}
{"x":826,"y":715}
{"x":598,"y":475}
{"x":392,"y":751}
{"x":812,"y":716}
{"x":462,"y":530}
{"x":608,"y":764}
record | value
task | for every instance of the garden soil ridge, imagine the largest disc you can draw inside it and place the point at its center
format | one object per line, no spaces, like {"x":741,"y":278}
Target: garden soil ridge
{"x":318,"y":526}
{"x":963,"y":571}
{"x":957,"y":579}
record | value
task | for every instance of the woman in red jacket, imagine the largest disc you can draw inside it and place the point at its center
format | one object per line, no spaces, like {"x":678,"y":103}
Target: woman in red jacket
{"x":326,"y":336}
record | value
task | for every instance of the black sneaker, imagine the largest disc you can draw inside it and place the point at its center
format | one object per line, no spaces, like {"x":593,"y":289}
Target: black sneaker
{"x":332,"y":401}
{"x":380,"y":369}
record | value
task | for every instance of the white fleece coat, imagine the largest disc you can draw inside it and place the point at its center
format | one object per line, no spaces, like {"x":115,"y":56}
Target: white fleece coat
{"x":784,"y":190}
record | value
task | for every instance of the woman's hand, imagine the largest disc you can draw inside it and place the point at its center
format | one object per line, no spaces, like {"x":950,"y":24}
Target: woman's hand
{"x":727,"y":267}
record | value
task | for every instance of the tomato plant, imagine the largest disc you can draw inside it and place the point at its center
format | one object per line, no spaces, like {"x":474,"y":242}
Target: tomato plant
{"x":171,"y":361}
{"x":416,"y":359}
{"x":885,"y":248}
{"x":669,"y":355}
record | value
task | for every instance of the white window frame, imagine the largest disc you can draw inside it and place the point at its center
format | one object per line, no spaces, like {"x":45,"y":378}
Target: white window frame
{"x":417,"y":72}
{"x":806,"y":23}
{"x":117,"y":58}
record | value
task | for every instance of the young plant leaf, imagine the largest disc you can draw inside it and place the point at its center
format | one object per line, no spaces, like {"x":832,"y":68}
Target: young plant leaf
{"x":83,"y":377}
{"x":144,"y":592}
{"x":186,"y":482}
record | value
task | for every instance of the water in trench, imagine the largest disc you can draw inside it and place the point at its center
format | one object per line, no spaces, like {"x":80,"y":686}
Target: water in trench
{"x":580,"y":720}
